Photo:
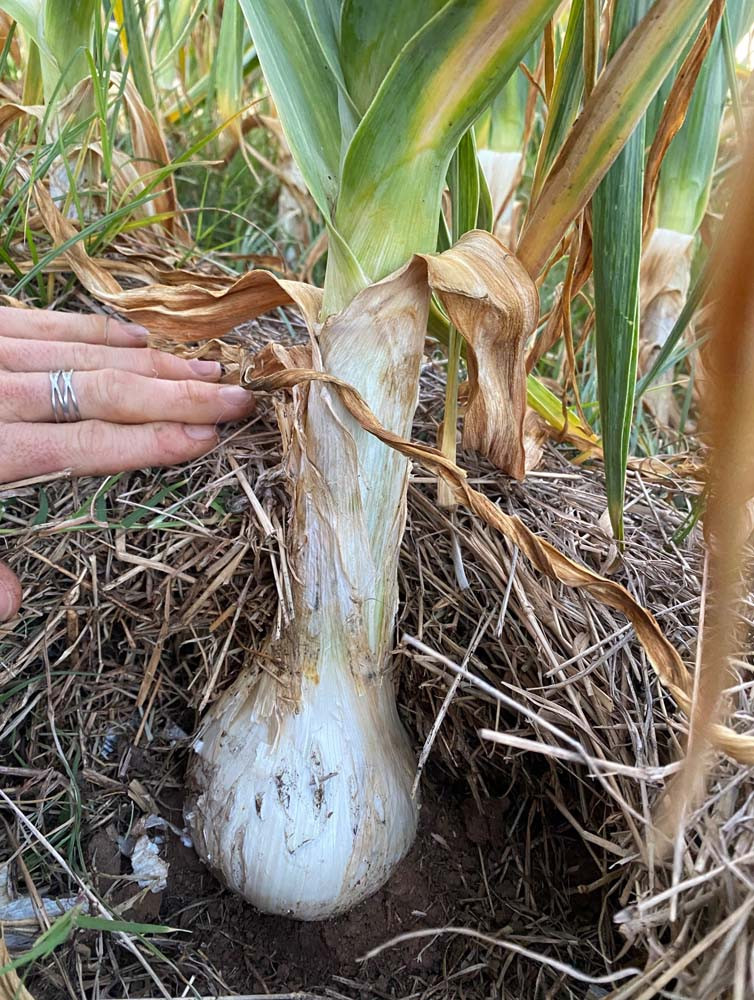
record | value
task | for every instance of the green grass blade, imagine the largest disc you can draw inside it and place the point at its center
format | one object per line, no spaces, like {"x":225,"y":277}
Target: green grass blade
{"x":123,"y":926}
{"x":616,"y":236}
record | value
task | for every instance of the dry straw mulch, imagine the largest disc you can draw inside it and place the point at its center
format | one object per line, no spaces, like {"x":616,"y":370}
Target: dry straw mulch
{"x":547,"y":741}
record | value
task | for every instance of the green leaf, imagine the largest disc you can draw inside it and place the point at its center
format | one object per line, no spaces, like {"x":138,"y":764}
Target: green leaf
{"x":324,"y":16}
{"x":55,"y":935}
{"x":372,"y":33}
{"x":616,"y":236}
{"x":303,"y":89}
{"x":610,"y":114}
{"x":67,"y":36}
{"x":44,"y":508}
{"x":550,"y":408}
{"x":463,"y":181}
{"x":686,"y":172}
{"x":138,"y":54}
{"x":443,"y":77}
{"x":486,"y":213}
{"x":567,"y":91}
{"x":28,"y":13}
{"x":501,"y":126}
{"x":227,"y":68}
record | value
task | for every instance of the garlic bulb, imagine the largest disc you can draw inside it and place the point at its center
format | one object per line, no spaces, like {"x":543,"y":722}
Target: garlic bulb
{"x":305,"y":813}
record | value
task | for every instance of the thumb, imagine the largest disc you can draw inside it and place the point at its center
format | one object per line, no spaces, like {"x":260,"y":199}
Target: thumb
{"x":10,"y":593}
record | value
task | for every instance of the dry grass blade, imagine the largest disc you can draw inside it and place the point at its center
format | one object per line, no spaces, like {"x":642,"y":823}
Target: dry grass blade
{"x":567,"y":970}
{"x":11,"y":987}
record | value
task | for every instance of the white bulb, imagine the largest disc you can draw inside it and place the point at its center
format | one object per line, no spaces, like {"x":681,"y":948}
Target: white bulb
{"x":305,"y":811}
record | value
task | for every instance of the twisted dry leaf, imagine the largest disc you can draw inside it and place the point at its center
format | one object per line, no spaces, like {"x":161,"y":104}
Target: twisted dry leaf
{"x":548,"y":560}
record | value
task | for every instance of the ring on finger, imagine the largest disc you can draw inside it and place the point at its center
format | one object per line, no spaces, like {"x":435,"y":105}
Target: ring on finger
{"x":65,"y":405}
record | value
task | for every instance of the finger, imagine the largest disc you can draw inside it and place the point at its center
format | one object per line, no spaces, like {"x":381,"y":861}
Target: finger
{"x":10,"y":593}
{"x":86,"y":328}
{"x":97,"y":448}
{"x":18,"y":355}
{"x":123,"y":398}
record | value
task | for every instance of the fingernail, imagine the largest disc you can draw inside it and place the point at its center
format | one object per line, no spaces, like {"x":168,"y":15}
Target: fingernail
{"x":206,"y":368}
{"x":200,"y":432}
{"x":7,"y":603}
{"x":234,"y":395}
{"x":139,"y":333}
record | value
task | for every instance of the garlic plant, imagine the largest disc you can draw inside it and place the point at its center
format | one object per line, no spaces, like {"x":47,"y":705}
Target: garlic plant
{"x":301,"y":783}
{"x":303,"y":780}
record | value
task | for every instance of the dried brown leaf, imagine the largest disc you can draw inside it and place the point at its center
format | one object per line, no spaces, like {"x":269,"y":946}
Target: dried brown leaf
{"x":494,"y":304}
{"x":729,"y":413}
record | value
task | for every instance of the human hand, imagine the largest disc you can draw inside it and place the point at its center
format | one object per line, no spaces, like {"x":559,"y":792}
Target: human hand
{"x":123,"y":391}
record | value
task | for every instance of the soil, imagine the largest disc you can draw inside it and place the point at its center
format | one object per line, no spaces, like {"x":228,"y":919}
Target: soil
{"x":462,"y":871}
{"x":258,"y":951}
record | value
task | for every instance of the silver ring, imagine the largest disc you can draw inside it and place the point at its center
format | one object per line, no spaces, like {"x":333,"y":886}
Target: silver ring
{"x":65,"y":406}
